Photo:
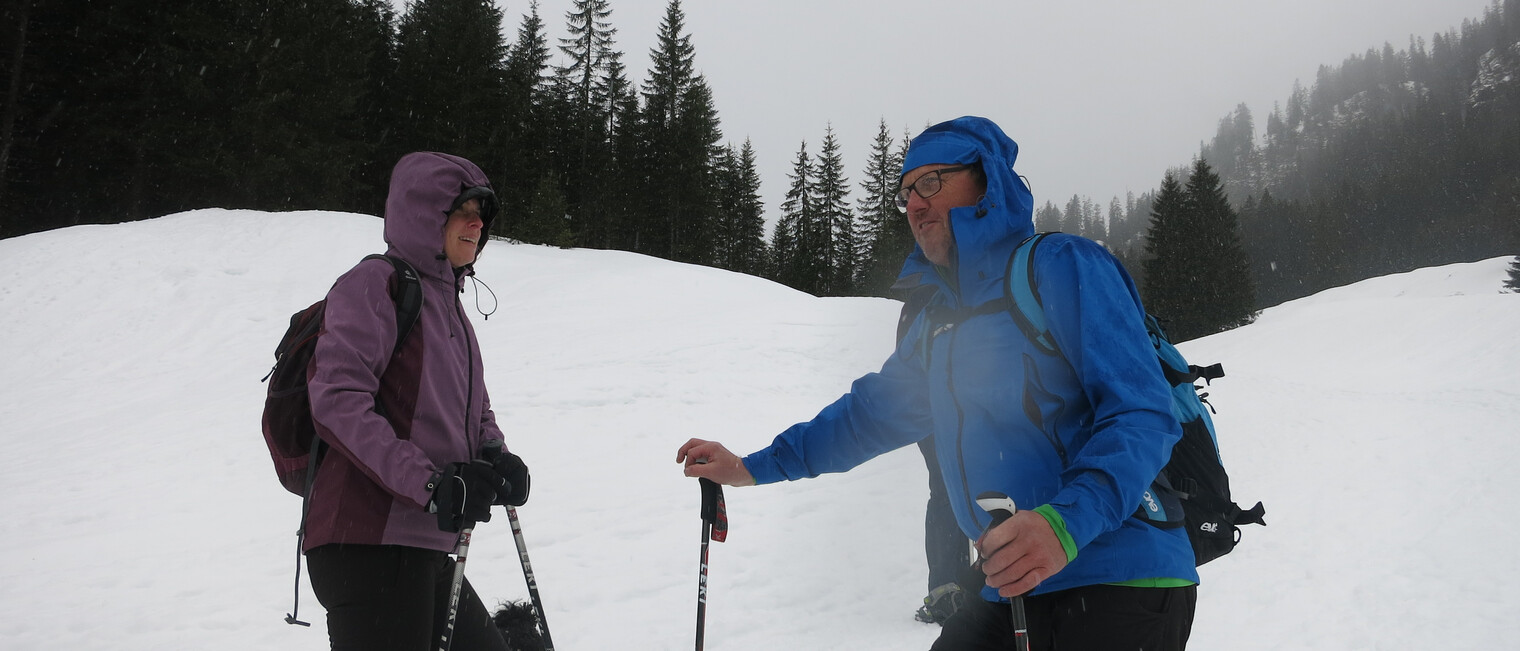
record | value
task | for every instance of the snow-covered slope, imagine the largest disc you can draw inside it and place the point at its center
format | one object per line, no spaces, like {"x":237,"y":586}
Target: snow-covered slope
{"x":1377,"y":422}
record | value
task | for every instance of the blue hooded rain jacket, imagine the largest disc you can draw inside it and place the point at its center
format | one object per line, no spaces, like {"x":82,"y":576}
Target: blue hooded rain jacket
{"x":1082,"y":434}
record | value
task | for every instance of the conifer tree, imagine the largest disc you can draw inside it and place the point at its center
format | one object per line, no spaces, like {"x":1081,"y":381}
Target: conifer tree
{"x":835,"y":220}
{"x":525,"y":117}
{"x":1166,"y":265}
{"x":546,"y":221}
{"x":589,"y":47}
{"x":885,"y":235}
{"x":743,"y":214}
{"x":1513,"y":284}
{"x":450,"y":78}
{"x":585,"y":150}
{"x":1197,"y":278}
{"x":793,"y":243}
{"x":1048,"y":218}
{"x":1071,"y":219}
{"x":1229,"y":296}
{"x":624,"y":205}
{"x":681,"y":124}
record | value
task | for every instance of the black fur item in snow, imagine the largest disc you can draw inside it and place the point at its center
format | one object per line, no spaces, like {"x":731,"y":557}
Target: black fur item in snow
{"x":518,"y":625}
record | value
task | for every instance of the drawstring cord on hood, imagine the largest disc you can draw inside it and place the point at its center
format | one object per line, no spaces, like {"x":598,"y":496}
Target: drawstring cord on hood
{"x":494,"y":303}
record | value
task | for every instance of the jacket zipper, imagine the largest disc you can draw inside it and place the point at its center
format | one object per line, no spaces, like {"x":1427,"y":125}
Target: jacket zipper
{"x":960,"y":422}
{"x":469,"y":372}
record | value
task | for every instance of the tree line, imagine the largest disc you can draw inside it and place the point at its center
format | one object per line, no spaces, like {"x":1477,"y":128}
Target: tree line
{"x":1394,"y":160}
{"x":125,"y":110}
{"x":132,"y":109}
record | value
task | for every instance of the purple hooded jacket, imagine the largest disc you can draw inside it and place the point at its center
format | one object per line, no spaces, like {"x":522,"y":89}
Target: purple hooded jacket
{"x":372,"y":486}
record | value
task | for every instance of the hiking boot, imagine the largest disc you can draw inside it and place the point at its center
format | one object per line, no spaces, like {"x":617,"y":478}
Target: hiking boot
{"x":941,"y":603}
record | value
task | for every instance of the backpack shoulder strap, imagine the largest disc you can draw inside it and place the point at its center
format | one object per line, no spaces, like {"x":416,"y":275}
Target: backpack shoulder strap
{"x":1024,"y":297}
{"x":407,"y":294}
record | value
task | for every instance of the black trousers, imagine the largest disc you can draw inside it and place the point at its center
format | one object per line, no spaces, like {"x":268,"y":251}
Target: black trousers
{"x":1090,"y":618}
{"x":945,"y":547}
{"x":390,"y":598}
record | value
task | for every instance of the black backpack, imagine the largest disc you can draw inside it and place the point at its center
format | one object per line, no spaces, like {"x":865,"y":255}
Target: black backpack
{"x":288,"y":429}
{"x":1193,"y":489}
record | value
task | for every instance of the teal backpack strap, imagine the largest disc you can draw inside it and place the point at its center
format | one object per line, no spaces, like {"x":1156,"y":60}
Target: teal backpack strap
{"x":1024,"y":297}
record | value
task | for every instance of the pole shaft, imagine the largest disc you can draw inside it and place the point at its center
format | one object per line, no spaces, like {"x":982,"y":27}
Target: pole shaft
{"x":527,"y":566}
{"x":702,"y":586}
{"x":1020,"y":625}
{"x":461,"y":552}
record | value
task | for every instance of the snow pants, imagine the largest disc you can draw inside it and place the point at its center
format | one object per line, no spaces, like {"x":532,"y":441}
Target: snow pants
{"x":391,"y":598}
{"x":1089,"y":618}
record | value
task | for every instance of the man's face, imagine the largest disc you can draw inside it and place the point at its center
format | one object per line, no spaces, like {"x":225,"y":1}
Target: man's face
{"x":461,"y":235}
{"x":929,"y":218}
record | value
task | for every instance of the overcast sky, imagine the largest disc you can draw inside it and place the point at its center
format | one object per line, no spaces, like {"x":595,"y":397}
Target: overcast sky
{"x":1102,"y":96}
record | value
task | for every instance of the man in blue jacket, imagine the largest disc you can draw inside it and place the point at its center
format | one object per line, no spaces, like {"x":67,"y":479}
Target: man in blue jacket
{"x":1074,"y":439}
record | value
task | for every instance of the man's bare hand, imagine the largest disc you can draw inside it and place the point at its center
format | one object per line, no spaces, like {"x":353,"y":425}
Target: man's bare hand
{"x":1020,"y":553}
{"x":709,"y":459}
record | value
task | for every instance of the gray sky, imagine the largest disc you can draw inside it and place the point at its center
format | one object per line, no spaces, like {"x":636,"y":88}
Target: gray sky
{"x":1102,"y":96}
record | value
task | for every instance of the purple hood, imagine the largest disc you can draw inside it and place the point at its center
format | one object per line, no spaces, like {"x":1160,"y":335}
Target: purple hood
{"x":425,"y":188}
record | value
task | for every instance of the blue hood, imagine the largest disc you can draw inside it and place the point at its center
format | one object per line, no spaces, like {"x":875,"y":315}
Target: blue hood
{"x":985,"y":234}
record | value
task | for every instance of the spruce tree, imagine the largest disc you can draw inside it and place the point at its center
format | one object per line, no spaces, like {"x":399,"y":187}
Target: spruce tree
{"x":589,"y":48}
{"x":681,"y":124}
{"x":546,"y":221}
{"x":1198,"y":278}
{"x":525,"y":116}
{"x":1047,"y":218}
{"x":793,"y":246}
{"x":585,"y":150}
{"x":835,"y":220}
{"x":1166,"y":265}
{"x":1228,"y":298}
{"x":624,"y":205}
{"x":725,"y":184}
{"x":1072,"y":218}
{"x":1513,"y":284}
{"x":744,"y":213}
{"x":885,"y":235}
{"x":450,"y":79}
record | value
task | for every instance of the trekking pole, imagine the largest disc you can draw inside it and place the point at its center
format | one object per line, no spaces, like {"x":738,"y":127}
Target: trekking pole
{"x":1001,"y":508}
{"x":714,"y":527}
{"x":522,"y":554}
{"x":488,"y":452}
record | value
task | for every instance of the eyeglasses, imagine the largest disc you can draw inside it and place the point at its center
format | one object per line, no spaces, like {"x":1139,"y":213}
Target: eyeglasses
{"x":926,"y":186}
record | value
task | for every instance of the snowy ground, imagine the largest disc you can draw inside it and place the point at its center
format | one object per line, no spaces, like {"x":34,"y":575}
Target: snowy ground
{"x":1377,"y":422}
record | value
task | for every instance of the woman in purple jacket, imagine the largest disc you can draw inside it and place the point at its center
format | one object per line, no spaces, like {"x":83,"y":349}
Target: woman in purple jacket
{"x":389,"y":499}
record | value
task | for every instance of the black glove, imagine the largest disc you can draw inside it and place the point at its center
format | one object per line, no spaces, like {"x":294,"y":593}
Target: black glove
{"x":512,"y":468}
{"x":464,"y":493}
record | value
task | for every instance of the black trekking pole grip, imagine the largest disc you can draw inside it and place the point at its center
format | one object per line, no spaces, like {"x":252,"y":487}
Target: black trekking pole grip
{"x":1001,"y":508}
